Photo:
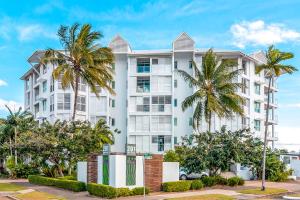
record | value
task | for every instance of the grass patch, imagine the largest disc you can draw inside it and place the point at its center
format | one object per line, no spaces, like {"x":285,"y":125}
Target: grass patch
{"x":7,"y":187}
{"x":268,"y":191}
{"x":294,"y":195}
{"x":206,"y":197}
{"x":38,"y":196}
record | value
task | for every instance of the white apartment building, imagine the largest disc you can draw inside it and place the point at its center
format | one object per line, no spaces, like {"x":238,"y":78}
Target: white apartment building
{"x":147,"y":105}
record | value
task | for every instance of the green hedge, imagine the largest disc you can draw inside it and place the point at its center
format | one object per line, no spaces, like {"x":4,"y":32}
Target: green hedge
{"x":209,"y":181}
{"x":75,"y":186}
{"x":196,"y":185}
{"x":176,"y":186}
{"x":235,"y":181}
{"x":109,"y":192}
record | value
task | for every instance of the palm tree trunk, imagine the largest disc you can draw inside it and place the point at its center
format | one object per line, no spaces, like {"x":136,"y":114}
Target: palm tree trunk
{"x":263,"y":178}
{"x":10,"y":147}
{"x":16,"y":153}
{"x":75,"y":97}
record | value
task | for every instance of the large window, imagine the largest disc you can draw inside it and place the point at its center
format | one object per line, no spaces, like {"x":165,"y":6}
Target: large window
{"x":82,"y":85}
{"x":257,"y":125}
{"x":44,"y":103}
{"x":27,"y":100}
{"x":257,"y":106}
{"x":64,"y":101}
{"x":143,"y":84}
{"x":44,"y":86}
{"x":257,"y":88}
{"x":161,"y":123}
{"x":27,"y":84}
{"x":143,"y":104}
{"x":52,"y":103}
{"x":161,"y":141}
{"x":245,"y":122}
{"x":245,"y":88}
{"x":143,"y":65}
{"x":51,"y":85}
{"x":81,"y":103}
{"x":159,"y":103}
{"x":139,"y":123}
{"x":244,"y":66}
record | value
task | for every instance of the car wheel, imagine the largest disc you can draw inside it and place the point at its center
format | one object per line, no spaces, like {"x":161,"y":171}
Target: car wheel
{"x":183,"y":177}
{"x":203,"y":176}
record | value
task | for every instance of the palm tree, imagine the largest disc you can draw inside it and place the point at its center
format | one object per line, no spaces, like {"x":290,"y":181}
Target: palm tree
{"x":272,"y":69}
{"x":81,"y":59}
{"x":13,"y":125}
{"x":215,"y":89}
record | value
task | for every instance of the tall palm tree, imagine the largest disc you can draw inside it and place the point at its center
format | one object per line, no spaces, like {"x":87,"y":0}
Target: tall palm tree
{"x":81,"y":59}
{"x":13,"y":125}
{"x":215,"y":89}
{"x":272,"y":69}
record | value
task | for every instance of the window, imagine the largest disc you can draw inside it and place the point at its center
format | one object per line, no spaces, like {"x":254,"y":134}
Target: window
{"x":27,"y":100}
{"x":161,"y":123}
{"x":82,"y":85}
{"x":143,"y":104}
{"x":175,"y":83}
{"x":161,"y":140}
{"x":175,"y":121}
{"x":52,"y":103}
{"x":81,"y":103}
{"x":27,"y":84}
{"x":113,"y":103}
{"x":44,"y":103}
{"x":257,"y":88}
{"x":113,"y":84}
{"x":44,"y":86}
{"x":154,"y":61}
{"x":245,"y":88}
{"x":143,"y":84}
{"x":161,"y":143}
{"x":161,"y":84}
{"x":143,"y":65}
{"x":36,"y":108}
{"x":175,"y":65}
{"x":244,"y":66}
{"x":190,"y":64}
{"x":159,"y":103}
{"x":64,"y":101}
{"x":51,"y":85}
{"x":257,"y":125}
{"x":44,"y":69}
{"x":175,"y":140}
{"x":113,"y":122}
{"x":175,"y":102}
{"x":139,"y":123}
{"x":257,"y":106}
{"x":245,"y":122}
{"x":191,"y":121}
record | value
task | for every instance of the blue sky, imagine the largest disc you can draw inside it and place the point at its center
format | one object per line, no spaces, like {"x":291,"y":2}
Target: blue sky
{"x":241,"y":25}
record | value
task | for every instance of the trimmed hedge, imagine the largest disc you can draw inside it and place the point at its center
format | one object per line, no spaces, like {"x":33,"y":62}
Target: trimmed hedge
{"x":196,"y":185}
{"x":75,"y":186}
{"x":235,"y":181}
{"x":221,"y":180}
{"x":209,"y":181}
{"x":176,"y":186}
{"x":109,"y":192}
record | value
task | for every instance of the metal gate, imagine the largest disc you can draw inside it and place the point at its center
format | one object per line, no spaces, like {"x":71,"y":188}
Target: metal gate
{"x":130,"y":170}
{"x":105,"y":177}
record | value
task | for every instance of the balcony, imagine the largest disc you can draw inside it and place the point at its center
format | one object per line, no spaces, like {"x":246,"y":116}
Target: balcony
{"x":273,"y":120}
{"x":271,"y":137}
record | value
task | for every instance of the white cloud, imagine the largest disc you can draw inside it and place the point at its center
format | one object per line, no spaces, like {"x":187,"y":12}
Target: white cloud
{"x":11,"y":104}
{"x":3,"y":83}
{"x":260,"y":33}
{"x":28,"y":32}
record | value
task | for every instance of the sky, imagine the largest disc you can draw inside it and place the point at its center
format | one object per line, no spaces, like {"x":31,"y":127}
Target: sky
{"x":248,"y":26}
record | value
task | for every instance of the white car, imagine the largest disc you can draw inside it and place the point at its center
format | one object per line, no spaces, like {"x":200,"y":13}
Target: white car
{"x":186,"y":176}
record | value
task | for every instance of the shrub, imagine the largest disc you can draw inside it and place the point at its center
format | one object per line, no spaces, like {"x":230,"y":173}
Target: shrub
{"x":75,"y":186}
{"x":221,"y":180}
{"x":209,"y":181}
{"x":139,"y":191}
{"x":234,"y":181}
{"x":123,"y":192}
{"x":100,"y":190}
{"x":67,"y":178}
{"x":171,"y":156}
{"x":196,"y":185}
{"x":176,"y":186}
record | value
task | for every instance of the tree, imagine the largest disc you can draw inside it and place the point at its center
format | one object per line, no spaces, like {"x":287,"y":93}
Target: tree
{"x":273,"y":68}
{"x":215,"y":89}
{"x":81,"y":60}
{"x":15,"y":123}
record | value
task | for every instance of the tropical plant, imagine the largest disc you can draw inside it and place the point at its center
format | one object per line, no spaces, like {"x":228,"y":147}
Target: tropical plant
{"x":272,"y":68}
{"x":81,"y":60}
{"x":15,"y":123}
{"x":215,"y":89}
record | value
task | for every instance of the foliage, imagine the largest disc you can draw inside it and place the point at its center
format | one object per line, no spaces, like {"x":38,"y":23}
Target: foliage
{"x":75,"y":186}
{"x":215,"y":89}
{"x":235,"y":181}
{"x":221,"y":180}
{"x":196,"y":185}
{"x":85,"y":60}
{"x":171,"y":156}
{"x":123,"y":192}
{"x":209,"y":181}
{"x":67,"y":178}
{"x":23,"y":170}
{"x":100,"y":190}
{"x":139,"y":191}
{"x":176,"y":186}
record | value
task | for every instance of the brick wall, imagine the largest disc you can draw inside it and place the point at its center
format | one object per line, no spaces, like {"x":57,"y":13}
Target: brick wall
{"x":154,"y":173}
{"x":92,"y":166}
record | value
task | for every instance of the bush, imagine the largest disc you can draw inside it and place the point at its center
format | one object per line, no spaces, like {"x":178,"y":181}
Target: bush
{"x":209,"y":181}
{"x":139,"y":191}
{"x":171,"y":156}
{"x":221,"y":180}
{"x":67,"y":178}
{"x":100,"y":190}
{"x":235,"y":181}
{"x":176,"y":186}
{"x":196,"y":185}
{"x":123,"y":192}
{"x":75,"y":186}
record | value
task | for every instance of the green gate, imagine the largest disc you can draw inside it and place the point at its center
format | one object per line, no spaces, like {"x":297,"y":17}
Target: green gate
{"x":105,"y":169}
{"x":130,"y":170}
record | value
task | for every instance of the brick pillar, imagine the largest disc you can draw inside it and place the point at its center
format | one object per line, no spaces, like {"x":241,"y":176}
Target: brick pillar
{"x":92,"y":168}
{"x":154,"y":173}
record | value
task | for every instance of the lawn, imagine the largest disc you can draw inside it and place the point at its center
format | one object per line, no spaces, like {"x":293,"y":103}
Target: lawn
{"x":9,"y":187}
{"x":268,"y":191}
{"x":38,"y":196}
{"x":206,"y":197}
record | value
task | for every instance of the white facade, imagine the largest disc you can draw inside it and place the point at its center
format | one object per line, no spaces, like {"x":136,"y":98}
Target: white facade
{"x":147,"y":105}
